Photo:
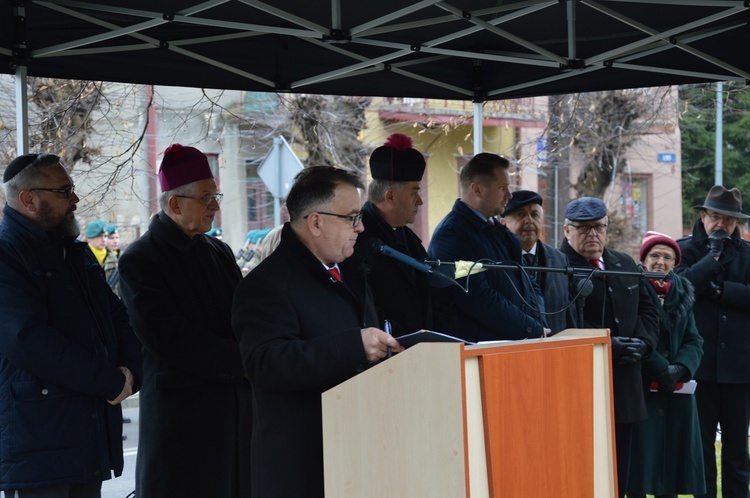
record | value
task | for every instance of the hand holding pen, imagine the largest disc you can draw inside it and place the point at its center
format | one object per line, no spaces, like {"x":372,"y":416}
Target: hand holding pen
{"x":378,"y":344}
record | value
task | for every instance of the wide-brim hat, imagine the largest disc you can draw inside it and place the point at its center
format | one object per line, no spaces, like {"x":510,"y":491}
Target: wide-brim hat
{"x":723,"y":201}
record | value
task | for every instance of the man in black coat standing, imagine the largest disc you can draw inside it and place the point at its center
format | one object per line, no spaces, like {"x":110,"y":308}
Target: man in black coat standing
{"x":716,"y":260}
{"x":68,"y":356}
{"x":524,"y":216}
{"x":621,"y":304}
{"x":306,"y":322}
{"x":196,"y":404}
{"x":402,"y":294}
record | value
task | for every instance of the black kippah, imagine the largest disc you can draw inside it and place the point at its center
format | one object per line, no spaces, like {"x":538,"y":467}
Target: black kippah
{"x":17,"y":165}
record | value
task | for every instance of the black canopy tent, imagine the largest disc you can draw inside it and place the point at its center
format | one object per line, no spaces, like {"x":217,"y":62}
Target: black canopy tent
{"x":448,"y":49}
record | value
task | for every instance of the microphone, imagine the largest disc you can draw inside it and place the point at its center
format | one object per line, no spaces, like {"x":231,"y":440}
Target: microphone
{"x":377,"y":245}
{"x":436,"y":279}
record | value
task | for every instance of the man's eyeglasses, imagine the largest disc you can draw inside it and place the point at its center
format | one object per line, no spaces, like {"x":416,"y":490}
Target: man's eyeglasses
{"x":66,"y":191}
{"x":728,"y":220}
{"x":354,"y":218}
{"x":586,"y":229}
{"x":204,"y":199}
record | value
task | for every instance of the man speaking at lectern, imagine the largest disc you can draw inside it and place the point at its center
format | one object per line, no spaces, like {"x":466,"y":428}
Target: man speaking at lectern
{"x":621,"y":304}
{"x":306,"y":322}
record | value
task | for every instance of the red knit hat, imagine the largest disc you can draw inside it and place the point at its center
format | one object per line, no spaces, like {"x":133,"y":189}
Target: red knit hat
{"x":182,"y":165}
{"x":653,"y":238}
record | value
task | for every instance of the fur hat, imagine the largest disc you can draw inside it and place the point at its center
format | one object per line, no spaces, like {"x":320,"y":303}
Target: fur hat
{"x":182,"y":165}
{"x":397,"y":161}
{"x":653,"y":238}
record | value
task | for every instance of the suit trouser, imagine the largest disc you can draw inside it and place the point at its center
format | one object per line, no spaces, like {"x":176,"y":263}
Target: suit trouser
{"x":87,"y":490}
{"x":623,"y":443}
{"x":726,"y":405}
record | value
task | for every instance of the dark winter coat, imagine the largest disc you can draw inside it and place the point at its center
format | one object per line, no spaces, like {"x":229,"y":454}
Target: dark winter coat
{"x":556,"y":289}
{"x":402,"y":294}
{"x":667,"y":456}
{"x":300,"y":334}
{"x":628,"y":311}
{"x":492,"y":309}
{"x":195,"y":406}
{"x":63,"y":335}
{"x":722,"y":321}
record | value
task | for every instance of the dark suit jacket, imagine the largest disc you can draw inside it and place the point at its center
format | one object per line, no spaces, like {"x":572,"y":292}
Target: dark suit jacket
{"x":556,"y":289}
{"x":492,"y":309}
{"x":623,"y":305}
{"x":299,"y":333}
{"x":402,"y":294}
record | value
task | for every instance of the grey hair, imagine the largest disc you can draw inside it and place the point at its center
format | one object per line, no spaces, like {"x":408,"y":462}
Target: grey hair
{"x":377,"y":189}
{"x":25,"y":179}
{"x":181,"y":190}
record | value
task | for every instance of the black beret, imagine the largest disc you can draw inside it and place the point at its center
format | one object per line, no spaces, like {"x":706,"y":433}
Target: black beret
{"x":17,"y":165}
{"x":397,"y":161}
{"x":520,"y":199}
{"x":586,"y":209}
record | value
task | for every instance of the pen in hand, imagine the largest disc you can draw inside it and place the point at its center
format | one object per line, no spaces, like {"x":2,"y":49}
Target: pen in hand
{"x":387,"y":328}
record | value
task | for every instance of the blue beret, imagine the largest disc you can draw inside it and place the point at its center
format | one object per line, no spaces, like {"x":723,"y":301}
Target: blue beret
{"x":95,"y":229}
{"x":520,"y":199}
{"x":111,"y":228}
{"x":215,"y":232}
{"x":586,"y":209}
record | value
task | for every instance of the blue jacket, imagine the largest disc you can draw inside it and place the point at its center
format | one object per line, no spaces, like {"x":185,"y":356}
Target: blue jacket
{"x":494,"y":307}
{"x":63,"y":334}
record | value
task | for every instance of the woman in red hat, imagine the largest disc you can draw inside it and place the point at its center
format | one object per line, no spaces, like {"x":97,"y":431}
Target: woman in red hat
{"x":667,"y":458}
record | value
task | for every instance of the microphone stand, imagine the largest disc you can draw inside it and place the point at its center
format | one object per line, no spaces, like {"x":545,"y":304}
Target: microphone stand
{"x":584,"y":275}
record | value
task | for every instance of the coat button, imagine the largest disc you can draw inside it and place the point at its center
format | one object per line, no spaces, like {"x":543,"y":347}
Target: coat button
{"x":617,"y":320}
{"x":722,"y":345}
{"x":723,"y":318}
{"x":97,"y":473}
{"x":93,"y":415}
{"x":45,"y":391}
{"x":660,"y":412}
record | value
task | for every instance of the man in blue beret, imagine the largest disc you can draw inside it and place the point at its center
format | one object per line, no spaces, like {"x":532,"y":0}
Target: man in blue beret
{"x":621,"y":304}
{"x":97,"y":236}
{"x":524,"y":216}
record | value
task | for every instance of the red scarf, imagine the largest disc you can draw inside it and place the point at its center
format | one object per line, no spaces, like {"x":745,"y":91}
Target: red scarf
{"x":661,"y":286}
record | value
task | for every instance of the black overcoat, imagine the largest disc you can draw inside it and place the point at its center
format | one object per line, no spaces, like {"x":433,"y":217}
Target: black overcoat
{"x":299,"y":333}
{"x":556,"y":289}
{"x":195,"y":405}
{"x":723,"y":322}
{"x":402,"y":294}
{"x":627,"y":311}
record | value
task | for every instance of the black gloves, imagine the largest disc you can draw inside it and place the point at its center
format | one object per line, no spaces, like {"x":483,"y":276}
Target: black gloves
{"x":716,"y":242}
{"x":670,"y":376}
{"x":628,"y":350}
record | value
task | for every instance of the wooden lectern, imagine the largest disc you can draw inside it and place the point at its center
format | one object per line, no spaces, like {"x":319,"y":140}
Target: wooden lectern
{"x":516,"y":419}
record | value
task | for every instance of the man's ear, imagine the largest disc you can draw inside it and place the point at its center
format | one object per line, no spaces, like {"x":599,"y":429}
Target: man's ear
{"x":389,"y":196}
{"x":502,"y":221}
{"x":174,"y":205}
{"x":476,"y":189}
{"x":28,"y":201}
{"x":313,"y":222}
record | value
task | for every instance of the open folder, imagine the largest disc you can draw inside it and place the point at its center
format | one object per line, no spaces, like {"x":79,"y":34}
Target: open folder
{"x":424,"y":335}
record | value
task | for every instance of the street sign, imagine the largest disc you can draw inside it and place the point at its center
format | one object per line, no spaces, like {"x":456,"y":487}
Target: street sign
{"x":667,"y":157}
{"x":279,"y":168}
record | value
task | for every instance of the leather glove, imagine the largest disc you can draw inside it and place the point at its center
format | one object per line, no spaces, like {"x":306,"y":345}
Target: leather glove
{"x":670,"y":376}
{"x":716,"y":242}
{"x":628,"y":350}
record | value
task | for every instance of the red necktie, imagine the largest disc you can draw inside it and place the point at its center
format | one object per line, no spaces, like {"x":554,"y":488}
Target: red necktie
{"x":596,"y":263}
{"x":335,"y":273}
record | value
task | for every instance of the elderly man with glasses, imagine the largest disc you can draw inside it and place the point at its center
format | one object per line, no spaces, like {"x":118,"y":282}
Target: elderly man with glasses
{"x":177,"y":282}
{"x":621,"y":304}
{"x":68,"y":356}
{"x":306,"y":322}
{"x":716,"y":260}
